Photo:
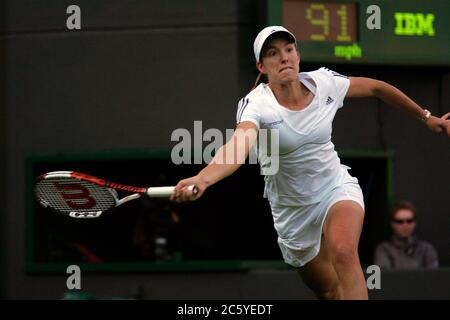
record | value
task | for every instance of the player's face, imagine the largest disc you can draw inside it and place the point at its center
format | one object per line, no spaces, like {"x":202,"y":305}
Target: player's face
{"x":280,"y":61}
{"x":404,"y":223}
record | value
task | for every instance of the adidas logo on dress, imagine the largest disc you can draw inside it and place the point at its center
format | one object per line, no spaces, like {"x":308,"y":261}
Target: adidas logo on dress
{"x":329,"y":100}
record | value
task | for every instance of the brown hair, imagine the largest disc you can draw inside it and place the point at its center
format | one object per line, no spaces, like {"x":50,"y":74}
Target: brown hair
{"x":257,"y":81}
{"x":403,"y":205}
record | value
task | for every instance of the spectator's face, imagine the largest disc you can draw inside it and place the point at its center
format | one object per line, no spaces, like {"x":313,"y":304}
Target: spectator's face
{"x":403,"y":223}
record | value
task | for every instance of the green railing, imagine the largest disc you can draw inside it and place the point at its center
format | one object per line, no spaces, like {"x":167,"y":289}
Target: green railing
{"x":178,"y":263}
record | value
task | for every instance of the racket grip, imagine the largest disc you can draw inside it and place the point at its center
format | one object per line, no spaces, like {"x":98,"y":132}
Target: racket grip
{"x":162,"y":192}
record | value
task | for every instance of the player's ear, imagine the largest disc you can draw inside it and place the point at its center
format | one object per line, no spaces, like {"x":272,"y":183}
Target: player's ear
{"x":261,"y":68}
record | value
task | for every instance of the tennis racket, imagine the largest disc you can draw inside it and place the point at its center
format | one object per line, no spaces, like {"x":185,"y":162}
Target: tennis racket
{"x":80,"y":195}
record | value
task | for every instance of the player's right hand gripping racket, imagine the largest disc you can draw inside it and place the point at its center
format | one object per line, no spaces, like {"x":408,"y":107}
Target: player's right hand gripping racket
{"x":79,"y":195}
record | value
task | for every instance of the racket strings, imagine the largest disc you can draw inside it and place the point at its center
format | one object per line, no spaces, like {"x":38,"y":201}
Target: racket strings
{"x":74,"y":195}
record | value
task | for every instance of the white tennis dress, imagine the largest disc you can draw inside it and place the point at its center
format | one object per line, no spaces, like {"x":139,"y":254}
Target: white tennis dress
{"x":310,"y":177}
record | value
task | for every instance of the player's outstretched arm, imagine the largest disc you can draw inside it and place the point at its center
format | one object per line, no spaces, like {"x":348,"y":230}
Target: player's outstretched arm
{"x":367,"y":87}
{"x":227,"y":160}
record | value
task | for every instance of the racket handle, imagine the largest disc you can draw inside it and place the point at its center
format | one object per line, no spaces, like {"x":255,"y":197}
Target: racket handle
{"x":162,"y":192}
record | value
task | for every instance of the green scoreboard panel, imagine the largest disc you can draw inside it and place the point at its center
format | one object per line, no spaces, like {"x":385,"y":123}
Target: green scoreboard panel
{"x":401,"y":32}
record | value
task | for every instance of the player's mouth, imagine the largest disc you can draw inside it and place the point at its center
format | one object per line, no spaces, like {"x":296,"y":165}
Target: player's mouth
{"x":285,"y":68}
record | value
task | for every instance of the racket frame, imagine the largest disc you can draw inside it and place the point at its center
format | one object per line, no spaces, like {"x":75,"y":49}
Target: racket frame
{"x":112,"y":187}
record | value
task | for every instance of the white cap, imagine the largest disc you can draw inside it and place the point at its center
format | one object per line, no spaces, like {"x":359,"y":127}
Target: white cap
{"x":264,"y":34}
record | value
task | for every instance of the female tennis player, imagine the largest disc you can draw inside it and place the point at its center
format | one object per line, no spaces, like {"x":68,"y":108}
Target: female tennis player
{"x":317,"y":206}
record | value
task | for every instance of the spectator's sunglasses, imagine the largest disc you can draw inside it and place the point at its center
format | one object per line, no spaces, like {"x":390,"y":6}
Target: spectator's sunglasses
{"x":402,"y":221}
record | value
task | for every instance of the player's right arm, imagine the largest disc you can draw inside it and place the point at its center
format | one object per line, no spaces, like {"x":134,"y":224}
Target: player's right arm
{"x":227,"y":160}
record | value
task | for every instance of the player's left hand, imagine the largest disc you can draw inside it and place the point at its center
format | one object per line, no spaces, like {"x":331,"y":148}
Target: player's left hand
{"x":440,"y":125}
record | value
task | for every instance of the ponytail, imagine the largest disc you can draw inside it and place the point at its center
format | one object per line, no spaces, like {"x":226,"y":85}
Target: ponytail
{"x":257,"y":81}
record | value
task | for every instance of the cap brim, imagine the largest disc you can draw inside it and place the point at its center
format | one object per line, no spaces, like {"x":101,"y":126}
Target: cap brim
{"x":274,"y":35}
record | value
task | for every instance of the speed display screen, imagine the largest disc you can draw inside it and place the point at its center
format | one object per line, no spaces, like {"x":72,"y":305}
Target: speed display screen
{"x":335,"y":22}
{"x":402,"y":32}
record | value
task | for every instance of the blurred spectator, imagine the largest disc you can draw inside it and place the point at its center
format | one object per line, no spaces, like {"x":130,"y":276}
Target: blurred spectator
{"x":404,"y":250}
{"x":154,"y":236}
